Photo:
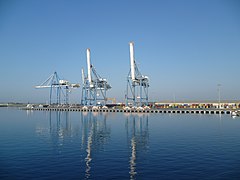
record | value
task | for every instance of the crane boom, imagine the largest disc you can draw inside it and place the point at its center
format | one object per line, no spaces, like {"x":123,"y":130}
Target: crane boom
{"x":132,"y":60}
{"x":83,"y":76}
{"x":89,"y":66}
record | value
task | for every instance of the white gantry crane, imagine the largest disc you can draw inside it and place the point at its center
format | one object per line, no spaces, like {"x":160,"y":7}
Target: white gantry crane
{"x":137,"y":84}
{"x":94,"y":89}
{"x":59,"y":89}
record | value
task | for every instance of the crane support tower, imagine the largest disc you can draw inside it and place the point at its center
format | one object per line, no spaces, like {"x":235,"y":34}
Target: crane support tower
{"x":59,"y":89}
{"x":137,"y":84}
{"x":94,"y":89}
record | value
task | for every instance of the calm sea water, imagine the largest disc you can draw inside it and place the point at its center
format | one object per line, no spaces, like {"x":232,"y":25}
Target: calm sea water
{"x":76,"y":145}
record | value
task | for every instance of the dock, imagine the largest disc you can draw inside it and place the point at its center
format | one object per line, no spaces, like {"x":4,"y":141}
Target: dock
{"x":113,"y":110}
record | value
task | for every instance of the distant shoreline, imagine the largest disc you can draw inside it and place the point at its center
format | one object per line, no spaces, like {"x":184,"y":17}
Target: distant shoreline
{"x":13,"y":104}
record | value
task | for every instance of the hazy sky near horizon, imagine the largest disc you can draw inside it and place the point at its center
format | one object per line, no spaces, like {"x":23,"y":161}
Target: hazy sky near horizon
{"x":186,"y":47}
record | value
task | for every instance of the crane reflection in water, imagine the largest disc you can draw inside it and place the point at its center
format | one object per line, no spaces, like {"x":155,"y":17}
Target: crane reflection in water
{"x":60,"y":128}
{"x":95,"y":133}
{"x":137,"y":135}
{"x":89,"y":131}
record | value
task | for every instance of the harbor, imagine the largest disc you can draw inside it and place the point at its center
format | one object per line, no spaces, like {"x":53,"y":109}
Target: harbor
{"x":122,"y":90}
{"x":94,"y":95}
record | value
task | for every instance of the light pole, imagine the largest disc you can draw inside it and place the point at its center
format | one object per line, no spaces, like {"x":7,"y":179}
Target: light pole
{"x":219,"y":95}
{"x":174,"y":98}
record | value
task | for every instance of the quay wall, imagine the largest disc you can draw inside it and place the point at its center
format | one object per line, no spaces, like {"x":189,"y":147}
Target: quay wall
{"x":172,"y":111}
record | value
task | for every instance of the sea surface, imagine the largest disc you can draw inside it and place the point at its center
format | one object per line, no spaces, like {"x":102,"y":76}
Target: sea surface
{"x":81,"y":145}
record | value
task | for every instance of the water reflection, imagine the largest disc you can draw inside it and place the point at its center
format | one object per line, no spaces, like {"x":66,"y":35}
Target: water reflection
{"x":59,"y":128}
{"x":89,"y":131}
{"x":95,"y":133}
{"x":137,"y":135}
{"x":29,"y":112}
{"x":63,"y":130}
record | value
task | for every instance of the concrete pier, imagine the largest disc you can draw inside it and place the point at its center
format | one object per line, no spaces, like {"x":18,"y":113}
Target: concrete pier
{"x":169,"y":111}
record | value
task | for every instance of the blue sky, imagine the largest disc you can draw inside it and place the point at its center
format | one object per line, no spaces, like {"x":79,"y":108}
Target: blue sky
{"x":185,"y":47}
